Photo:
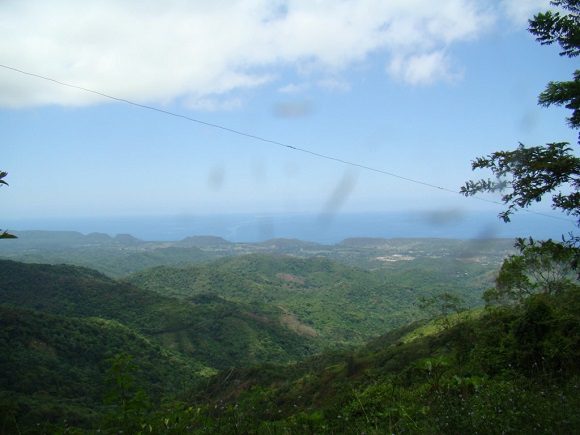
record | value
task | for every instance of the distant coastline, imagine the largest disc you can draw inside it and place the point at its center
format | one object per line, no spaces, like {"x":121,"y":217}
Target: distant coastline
{"x":307,"y":227}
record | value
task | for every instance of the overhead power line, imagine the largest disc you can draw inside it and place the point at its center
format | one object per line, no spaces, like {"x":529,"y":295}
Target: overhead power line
{"x":266,"y":140}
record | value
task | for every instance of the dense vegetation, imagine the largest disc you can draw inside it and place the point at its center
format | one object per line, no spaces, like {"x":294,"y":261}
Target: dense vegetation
{"x":514,"y":370}
{"x":506,"y":370}
{"x":81,"y":352}
{"x":338,"y":303}
{"x":64,"y":326}
{"x":113,"y":256}
{"x":123,"y":254}
{"x":208,"y":329}
{"x":511,"y":370}
{"x":81,"y":347}
{"x":54,"y":367}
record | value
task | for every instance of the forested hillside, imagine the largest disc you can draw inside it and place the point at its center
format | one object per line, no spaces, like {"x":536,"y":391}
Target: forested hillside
{"x":123,"y":254}
{"x":512,"y":369}
{"x":325,"y":120}
{"x":208,"y":329}
{"x":338,"y":303}
{"x":109,"y":355}
{"x":56,"y":367}
{"x":508,"y":370}
{"x":236,"y":312}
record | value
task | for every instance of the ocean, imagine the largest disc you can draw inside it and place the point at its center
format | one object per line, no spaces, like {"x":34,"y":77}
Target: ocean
{"x":328,"y":229}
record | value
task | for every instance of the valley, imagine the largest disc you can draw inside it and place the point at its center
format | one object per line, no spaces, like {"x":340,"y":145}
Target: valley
{"x":292,"y":334}
{"x":290,"y":217}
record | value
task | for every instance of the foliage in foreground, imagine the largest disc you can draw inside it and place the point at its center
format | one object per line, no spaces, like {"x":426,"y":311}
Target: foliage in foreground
{"x":509,"y":370}
{"x":513,"y":370}
{"x":529,"y":174}
{"x":54,"y":368}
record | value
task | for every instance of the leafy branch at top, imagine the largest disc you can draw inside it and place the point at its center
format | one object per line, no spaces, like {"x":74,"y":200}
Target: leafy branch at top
{"x":551,"y":26}
{"x":525,"y":175}
{"x":565,"y":94}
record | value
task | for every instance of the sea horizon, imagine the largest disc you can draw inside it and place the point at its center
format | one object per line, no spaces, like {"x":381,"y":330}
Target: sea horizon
{"x":326,"y":229}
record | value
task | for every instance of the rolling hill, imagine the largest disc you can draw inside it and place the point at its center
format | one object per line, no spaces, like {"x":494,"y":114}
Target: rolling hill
{"x":210,"y":330}
{"x":123,"y":254}
{"x":505,"y":370}
{"x":55,"y":367}
{"x":340,"y":304}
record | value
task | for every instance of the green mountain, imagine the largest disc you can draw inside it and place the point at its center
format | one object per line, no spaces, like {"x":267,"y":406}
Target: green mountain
{"x":505,"y":370}
{"x":210,"y":330}
{"x":62,"y":325}
{"x":55,"y":367}
{"x":114,"y":256}
{"x":123,"y":254}
{"x":204,"y":242}
{"x":326,"y":299}
{"x":64,"y":331}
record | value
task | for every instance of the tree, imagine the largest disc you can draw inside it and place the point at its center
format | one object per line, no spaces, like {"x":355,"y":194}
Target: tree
{"x":442,"y":306}
{"x":129,"y":403}
{"x":541,"y":267}
{"x":4,"y":234}
{"x":550,"y":27}
{"x":528,"y":174}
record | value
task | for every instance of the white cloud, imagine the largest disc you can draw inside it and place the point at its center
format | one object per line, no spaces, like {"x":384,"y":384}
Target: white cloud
{"x":204,"y":50}
{"x":422,"y":69}
{"x":520,"y":11}
{"x":294,"y":88}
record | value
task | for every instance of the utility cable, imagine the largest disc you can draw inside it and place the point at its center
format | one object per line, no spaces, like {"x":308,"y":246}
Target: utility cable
{"x":263,"y":139}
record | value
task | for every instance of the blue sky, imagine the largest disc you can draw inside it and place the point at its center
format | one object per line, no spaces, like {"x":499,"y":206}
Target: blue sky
{"x":417,"y":88}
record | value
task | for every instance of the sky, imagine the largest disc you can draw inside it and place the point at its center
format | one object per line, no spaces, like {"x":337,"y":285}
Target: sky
{"x":416,"y":88}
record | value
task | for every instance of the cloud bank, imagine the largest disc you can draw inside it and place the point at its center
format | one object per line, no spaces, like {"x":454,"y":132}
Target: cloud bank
{"x":203,"y":52}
